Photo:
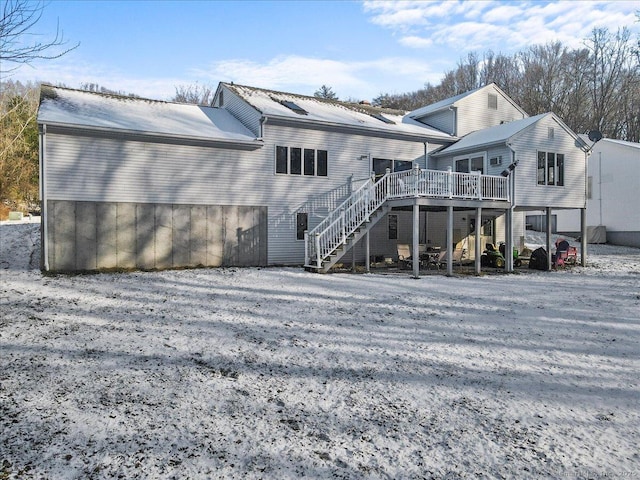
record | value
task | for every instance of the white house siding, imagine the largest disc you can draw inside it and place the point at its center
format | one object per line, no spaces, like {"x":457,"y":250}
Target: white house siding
{"x":241,"y":110}
{"x":474,"y":114}
{"x":526,"y":145}
{"x":348,"y":160}
{"x":443,"y":120}
{"x":614,"y":169}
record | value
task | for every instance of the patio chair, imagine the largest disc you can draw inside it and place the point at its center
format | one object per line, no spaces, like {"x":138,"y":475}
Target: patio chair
{"x":404,"y":256}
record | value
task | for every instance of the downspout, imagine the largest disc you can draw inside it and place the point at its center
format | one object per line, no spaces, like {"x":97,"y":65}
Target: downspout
{"x":263,"y":121}
{"x":453,"y":126}
{"x":426,"y":155}
{"x":43,"y":198}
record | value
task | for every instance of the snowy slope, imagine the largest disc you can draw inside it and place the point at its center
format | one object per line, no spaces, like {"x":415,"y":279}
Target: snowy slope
{"x":278,"y":373}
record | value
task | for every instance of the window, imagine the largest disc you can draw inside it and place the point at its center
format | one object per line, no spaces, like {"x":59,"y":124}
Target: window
{"x":589,"y":187}
{"x":221,"y":99}
{"x":309,"y":161}
{"x":282,"y":160}
{"x":393,"y":227}
{"x":299,"y":161}
{"x":493,"y":101}
{"x":541,"y":167}
{"x":382,"y":118}
{"x":560,"y":167}
{"x":471,"y":163}
{"x":302,"y":224}
{"x":380,"y":166}
{"x":321,"y":163}
{"x":495,"y":161}
{"x":550,"y":133}
{"x":550,"y":168}
{"x":296,"y":161}
{"x":296,"y":108}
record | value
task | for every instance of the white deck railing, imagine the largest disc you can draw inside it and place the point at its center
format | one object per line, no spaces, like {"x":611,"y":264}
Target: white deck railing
{"x":335,"y":229}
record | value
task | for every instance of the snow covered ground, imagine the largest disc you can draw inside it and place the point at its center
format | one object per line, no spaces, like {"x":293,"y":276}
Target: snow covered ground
{"x":278,"y":373}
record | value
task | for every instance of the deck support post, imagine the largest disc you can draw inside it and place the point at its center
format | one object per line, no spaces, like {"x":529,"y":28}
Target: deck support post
{"x":449,"y":241}
{"x":548,"y":237}
{"x":583,"y":237}
{"x":367,"y":252}
{"x":478,"y":239}
{"x":415,"y":253}
{"x":353,"y":257}
{"x":508,"y":241}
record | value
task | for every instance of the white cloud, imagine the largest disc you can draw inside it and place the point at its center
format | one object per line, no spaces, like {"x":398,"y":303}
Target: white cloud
{"x":359,"y":79}
{"x":500,"y":26}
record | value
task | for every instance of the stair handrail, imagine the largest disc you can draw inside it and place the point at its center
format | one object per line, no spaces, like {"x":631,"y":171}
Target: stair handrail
{"x":333,"y":232}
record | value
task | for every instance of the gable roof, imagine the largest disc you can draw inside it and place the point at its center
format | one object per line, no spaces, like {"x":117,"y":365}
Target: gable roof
{"x":613,"y":141}
{"x":455,"y":100}
{"x":500,"y":134}
{"x":271,"y":103}
{"x":97,"y":111}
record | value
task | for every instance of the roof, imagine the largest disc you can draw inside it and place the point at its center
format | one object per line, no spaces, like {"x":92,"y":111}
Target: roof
{"x":622,"y":143}
{"x":500,"y":134}
{"x":272,"y":103}
{"x":492,"y":135}
{"x":452,"y":101}
{"x":98,"y":111}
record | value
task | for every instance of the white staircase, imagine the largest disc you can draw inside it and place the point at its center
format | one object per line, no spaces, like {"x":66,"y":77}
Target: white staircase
{"x":343,"y":227}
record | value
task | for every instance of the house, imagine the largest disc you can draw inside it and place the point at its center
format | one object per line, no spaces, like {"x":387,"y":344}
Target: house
{"x":613,"y":184}
{"x":272,"y":178}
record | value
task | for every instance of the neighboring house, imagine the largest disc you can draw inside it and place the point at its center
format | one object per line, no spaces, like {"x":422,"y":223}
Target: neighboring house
{"x":272,"y":178}
{"x":613,"y":195}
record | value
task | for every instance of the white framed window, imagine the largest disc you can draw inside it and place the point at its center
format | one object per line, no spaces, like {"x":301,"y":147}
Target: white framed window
{"x":550,"y":168}
{"x":301,"y":161}
{"x":475,"y":162}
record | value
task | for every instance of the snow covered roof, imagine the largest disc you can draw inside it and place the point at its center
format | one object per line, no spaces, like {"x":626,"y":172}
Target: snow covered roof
{"x":75,"y":108}
{"x":450,"y":102}
{"x":613,"y":141}
{"x":499,"y":134}
{"x":319,"y":110}
{"x":492,"y":135}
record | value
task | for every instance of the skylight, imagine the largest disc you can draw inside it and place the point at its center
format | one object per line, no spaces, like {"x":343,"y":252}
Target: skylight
{"x":380,"y":117}
{"x":296,"y":108}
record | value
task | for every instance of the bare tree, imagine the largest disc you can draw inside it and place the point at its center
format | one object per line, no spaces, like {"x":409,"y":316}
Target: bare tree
{"x":19,"y":17}
{"x":196,"y":94}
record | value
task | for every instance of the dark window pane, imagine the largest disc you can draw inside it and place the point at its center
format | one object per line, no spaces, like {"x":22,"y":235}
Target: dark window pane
{"x":296,"y":161}
{"x":462,"y":165}
{"x":301,"y":225}
{"x":322,"y":163}
{"x":551,"y":165}
{"x":309,"y":161}
{"x":402,"y":166}
{"x":380,"y":166}
{"x":560,"y":160}
{"x":281,"y":159}
{"x":542,"y":156}
{"x":477,"y":164}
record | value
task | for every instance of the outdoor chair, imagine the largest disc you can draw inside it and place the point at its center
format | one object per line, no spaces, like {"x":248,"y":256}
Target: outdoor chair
{"x":404,"y":256}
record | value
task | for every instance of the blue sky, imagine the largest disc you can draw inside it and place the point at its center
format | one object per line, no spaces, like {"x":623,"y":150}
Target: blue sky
{"x":360,"y":49}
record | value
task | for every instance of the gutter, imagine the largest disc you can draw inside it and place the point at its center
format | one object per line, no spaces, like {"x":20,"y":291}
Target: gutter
{"x":108,"y":131}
